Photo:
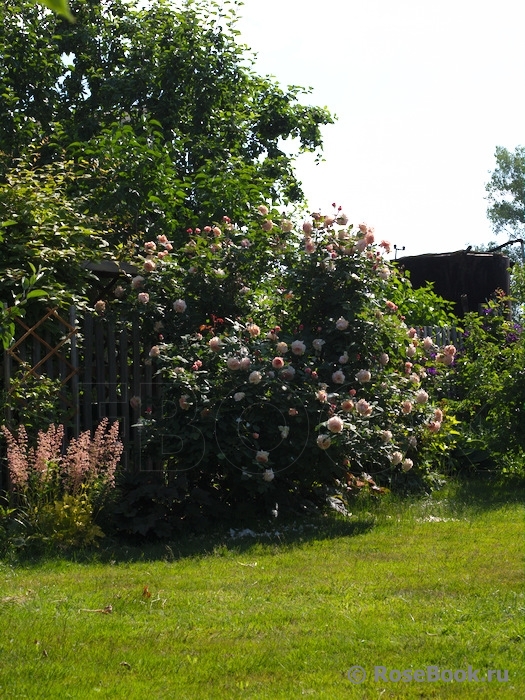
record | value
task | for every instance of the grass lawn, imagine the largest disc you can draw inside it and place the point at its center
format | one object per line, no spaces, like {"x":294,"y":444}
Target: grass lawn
{"x":431,"y":582}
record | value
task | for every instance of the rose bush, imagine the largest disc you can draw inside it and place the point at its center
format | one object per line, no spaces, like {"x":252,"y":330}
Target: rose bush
{"x":287,"y":369}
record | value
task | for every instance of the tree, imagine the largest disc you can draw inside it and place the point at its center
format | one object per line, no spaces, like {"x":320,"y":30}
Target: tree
{"x":160,"y":105}
{"x":506,"y":192}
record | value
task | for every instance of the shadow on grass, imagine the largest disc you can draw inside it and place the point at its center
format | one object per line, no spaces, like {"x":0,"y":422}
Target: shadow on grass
{"x":459,"y":497}
{"x":271,"y":534}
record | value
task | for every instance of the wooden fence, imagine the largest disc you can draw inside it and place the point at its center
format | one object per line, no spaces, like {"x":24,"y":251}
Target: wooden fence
{"x":97,"y":367}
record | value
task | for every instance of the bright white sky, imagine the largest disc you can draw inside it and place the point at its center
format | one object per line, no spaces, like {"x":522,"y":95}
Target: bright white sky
{"x":423,"y":91}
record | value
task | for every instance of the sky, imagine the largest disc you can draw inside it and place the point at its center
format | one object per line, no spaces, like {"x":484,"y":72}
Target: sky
{"x":423,"y":93}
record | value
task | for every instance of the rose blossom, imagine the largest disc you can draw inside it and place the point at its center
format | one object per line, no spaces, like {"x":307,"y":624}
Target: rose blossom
{"x":406,"y":406}
{"x":286,"y":226}
{"x":338,"y":377}
{"x":335,"y":424}
{"x":347,"y":405}
{"x":233,"y":363}
{"x":255,"y":377}
{"x":309,"y":245}
{"x":239,"y":396}
{"x":324,"y":442}
{"x":267,"y":225}
{"x":143,"y":297}
{"x":428,"y":343}
{"x":363,"y":376}
{"x":434,"y":426}
{"x":298,"y":347}
{"x":281,"y":348}
{"x":396,"y":458}
{"x":384,"y":359}
{"x":363,"y":407}
{"x":407,"y":464}
{"x":386,"y":435}
{"x":179,"y":306}
{"x":307,"y":228}
{"x":268,"y":475}
{"x":245,"y":363}
{"x":411,"y":350}
{"x":277,"y":363}
{"x":135,"y":402}
{"x":253,"y":329}
{"x":318,"y":344}
{"x":293,"y":412}
{"x":341,"y":324}
{"x":262,"y":456}
{"x":321,"y":396}
{"x":421,"y":396}
{"x":343,"y":359}
{"x":262,"y":209}
{"x":287,"y":373}
{"x":100,"y":306}
{"x":438,"y":415}
{"x":137,"y":281}
{"x":386,"y":245}
{"x":155,"y":351}
{"x":183,"y":402}
{"x":119,"y":291}
{"x":215,"y":344}
{"x":149,"y":265}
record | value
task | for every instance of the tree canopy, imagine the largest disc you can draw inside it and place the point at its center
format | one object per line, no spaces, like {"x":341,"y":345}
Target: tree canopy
{"x":506,"y":192}
{"x":160,"y":106}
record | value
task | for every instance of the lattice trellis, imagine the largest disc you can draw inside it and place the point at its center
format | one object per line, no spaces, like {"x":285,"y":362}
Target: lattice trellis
{"x":51,"y":352}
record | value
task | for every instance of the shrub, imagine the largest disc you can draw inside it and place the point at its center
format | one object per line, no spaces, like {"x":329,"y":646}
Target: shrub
{"x":57,"y":495}
{"x":297,"y":381}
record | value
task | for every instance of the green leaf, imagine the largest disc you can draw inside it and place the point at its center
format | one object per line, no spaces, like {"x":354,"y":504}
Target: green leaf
{"x":36,"y":293}
{"x":61,"y":7}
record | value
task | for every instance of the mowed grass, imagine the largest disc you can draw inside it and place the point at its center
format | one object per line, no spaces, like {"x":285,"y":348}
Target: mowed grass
{"x":400,"y":584}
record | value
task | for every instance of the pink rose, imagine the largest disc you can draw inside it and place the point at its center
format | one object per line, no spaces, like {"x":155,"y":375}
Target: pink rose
{"x":267,"y":225}
{"x":341,"y":324}
{"x":143,"y":297}
{"x":338,"y":377}
{"x":262,"y":209}
{"x":233,"y":363}
{"x":396,"y":458}
{"x":215,"y":344}
{"x":255,"y":377}
{"x":262,"y":456}
{"x":324,"y":442}
{"x":298,"y":347}
{"x":155,"y":351}
{"x":335,"y":424}
{"x":149,"y":265}
{"x":363,"y":376}
{"x":277,"y":363}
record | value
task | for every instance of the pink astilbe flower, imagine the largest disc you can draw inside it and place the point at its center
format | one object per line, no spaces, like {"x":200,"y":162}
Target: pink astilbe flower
{"x":88,"y":459}
{"x":48,"y":451}
{"x":17,"y":457}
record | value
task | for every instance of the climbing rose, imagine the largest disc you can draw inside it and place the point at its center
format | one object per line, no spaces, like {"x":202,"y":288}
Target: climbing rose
{"x":396,"y":458}
{"x":298,"y":347}
{"x":277,"y":363}
{"x":262,"y":457}
{"x":143,"y":297}
{"x":233,"y":363}
{"x":268,"y":475}
{"x":347,"y":405}
{"x":406,"y":406}
{"x":338,"y":377}
{"x":215,"y":344}
{"x":363,"y":407}
{"x":179,"y":306}
{"x":255,"y":377}
{"x":363,"y":376}
{"x":324,"y":442}
{"x":335,"y":424}
{"x":281,"y":348}
{"x":239,"y":396}
{"x":318,"y":344}
{"x":407,"y":464}
{"x":267,"y":225}
{"x":341,"y":324}
{"x":263,"y":210}
{"x":421,"y":396}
